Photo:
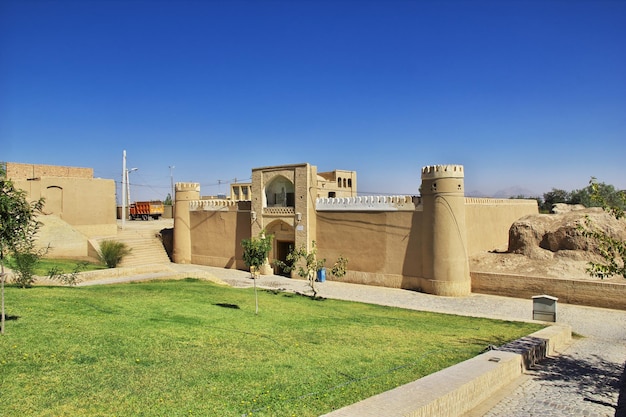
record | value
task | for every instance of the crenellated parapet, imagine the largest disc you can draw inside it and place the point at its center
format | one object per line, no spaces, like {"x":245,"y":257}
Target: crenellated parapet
{"x":442,"y":171}
{"x":368,"y":203}
{"x":442,"y":180}
{"x":187,"y":191}
{"x":187,"y":186}
{"x":499,"y":201}
{"x":212,"y":205}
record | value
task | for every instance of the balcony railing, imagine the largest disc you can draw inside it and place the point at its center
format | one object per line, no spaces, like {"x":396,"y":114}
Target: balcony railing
{"x":279,"y":211}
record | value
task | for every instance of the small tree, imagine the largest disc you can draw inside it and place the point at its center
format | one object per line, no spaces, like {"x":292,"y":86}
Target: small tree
{"x":598,"y":194}
{"x":18,"y":226}
{"x":339,"y":268}
{"x":306,"y":265}
{"x":612,"y":250}
{"x":255,"y":253}
{"x":552,"y":197}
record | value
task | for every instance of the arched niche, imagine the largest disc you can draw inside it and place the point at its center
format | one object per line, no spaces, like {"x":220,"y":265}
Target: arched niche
{"x":280,"y":192}
{"x":54,"y":200}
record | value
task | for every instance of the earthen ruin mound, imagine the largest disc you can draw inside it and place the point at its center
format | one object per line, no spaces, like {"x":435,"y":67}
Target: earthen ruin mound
{"x":552,"y":245}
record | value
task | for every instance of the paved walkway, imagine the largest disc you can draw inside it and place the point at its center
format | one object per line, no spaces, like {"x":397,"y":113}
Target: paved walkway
{"x":584,"y":380}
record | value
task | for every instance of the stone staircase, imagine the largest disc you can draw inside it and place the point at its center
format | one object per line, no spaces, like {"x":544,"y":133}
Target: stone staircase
{"x":146,"y":247}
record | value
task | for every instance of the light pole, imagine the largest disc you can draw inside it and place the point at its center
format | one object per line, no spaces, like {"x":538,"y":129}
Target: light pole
{"x":128,"y":171}
{"x":123,"y":193}
{"x":125,"y":189}
{"x":172,"y":184}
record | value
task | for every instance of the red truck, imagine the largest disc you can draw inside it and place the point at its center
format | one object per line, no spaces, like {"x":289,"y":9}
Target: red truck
{"x":145,"y":209}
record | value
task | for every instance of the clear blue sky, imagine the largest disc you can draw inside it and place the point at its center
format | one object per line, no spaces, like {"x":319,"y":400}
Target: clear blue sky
{"x":522,"y":93}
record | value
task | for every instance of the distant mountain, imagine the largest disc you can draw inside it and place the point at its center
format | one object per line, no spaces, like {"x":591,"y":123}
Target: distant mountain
{"x":514,"y":192}
{"x":475,"y":193}
{"x":505,"y":193}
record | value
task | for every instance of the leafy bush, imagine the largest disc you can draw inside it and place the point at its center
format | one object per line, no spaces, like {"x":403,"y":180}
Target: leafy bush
{"x":112,"y":252}
{"x":339,"y":268}
{"x":23,"y":264}
{"x":596,"y":194}
{"x":72,"y":278}
{"x":612,"y":249}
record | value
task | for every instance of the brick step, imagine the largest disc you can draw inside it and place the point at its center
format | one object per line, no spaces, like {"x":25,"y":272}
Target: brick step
{"x":146,"y":248}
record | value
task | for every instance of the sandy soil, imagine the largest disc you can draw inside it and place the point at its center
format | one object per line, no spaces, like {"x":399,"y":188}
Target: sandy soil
{"x":567,"y":266}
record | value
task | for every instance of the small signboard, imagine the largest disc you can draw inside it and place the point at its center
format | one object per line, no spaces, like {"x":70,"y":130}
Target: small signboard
{"x":544,"y":308}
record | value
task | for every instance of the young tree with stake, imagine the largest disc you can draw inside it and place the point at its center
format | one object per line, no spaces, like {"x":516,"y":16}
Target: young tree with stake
{"x":18,"y":226}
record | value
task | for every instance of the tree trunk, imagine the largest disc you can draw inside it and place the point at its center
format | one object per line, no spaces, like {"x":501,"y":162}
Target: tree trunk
{"x":2,"y":275}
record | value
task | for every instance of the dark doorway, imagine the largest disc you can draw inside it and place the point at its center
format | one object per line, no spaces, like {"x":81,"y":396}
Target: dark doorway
{"x":283,"y":248}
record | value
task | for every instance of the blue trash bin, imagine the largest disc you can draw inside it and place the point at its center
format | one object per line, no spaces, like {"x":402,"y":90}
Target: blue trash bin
{"x":321,"y":275}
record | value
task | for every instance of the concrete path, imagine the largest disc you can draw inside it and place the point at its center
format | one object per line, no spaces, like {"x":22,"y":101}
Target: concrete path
{"x":584,"y":380}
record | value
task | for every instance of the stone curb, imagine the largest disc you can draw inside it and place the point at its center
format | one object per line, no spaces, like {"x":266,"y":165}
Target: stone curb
{"x":458,"y":389}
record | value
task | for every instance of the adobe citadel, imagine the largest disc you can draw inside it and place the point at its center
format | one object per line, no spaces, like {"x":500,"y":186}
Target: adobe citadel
{"x":420,"y":243}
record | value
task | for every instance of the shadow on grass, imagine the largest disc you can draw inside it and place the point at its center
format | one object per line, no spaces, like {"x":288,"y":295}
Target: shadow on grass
{"x":289,"y":294}
{"x":227,"y":305}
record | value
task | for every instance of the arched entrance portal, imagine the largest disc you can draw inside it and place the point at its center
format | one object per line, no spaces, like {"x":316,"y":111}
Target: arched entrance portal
{"x":284,"y":241}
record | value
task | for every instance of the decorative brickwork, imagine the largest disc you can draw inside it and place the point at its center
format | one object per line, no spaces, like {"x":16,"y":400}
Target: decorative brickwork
{"x":369,"y":203}
{"x":212,"y":205}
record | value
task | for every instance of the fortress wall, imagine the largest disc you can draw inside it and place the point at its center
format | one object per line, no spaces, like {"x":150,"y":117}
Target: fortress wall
{"x":216,"y":237}
{"x":383,"y":248}
{"x":87,"y":204}
{"x":409,"y":242}
{"x":581,"y":292}
{"x":488,"y":221}
{"x":17,"y":171}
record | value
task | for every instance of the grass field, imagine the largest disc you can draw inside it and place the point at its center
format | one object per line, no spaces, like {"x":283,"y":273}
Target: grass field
{"x":65,"y":265}
{"x":44,"y":265}
{"x":183,"y":348}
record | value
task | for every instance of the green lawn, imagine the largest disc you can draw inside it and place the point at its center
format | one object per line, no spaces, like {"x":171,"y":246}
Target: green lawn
{"x":182,"y":348}
{"x":44,"y":265}
{"x":65,"y":265}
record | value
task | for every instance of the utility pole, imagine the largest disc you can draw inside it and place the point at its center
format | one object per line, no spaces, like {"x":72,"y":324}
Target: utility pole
{"x":172,"y":184}
{"x":128,"y":171}
{"x":125,"y":188}
{"x":124,"y":179}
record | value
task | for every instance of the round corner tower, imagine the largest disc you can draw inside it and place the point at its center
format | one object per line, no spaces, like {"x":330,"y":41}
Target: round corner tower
{"x":446,"y":265}
{"x":185,"y":192}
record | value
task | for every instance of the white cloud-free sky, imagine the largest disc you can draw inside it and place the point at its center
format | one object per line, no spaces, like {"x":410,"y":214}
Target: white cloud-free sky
{"x":522,"y":93}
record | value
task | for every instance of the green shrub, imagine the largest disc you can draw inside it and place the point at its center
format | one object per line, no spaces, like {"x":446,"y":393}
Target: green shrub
{"x":112,"y":252}
{"x":24,"y":264}
{"x":72,"y":278}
